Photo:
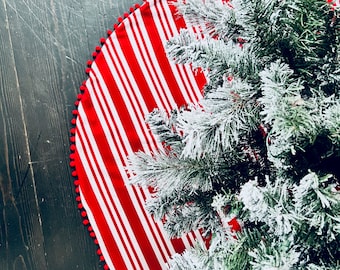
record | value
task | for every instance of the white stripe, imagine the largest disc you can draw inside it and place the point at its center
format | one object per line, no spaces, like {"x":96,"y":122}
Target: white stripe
{"x":159,"y":21}
{"x":199,"y":236}
{"x":97,"y":231}
{"x":195,"y":91}
{"x":106,"y":212}
{"x":184,"y":85}
{"x":142,"y":34}
{"x":145,"y":64}
{"x":124,"y":148}
{"x":134,"y":86}
{"x":110,"y":126}
{"x":126,"y":92}
{"x":139,"y":125}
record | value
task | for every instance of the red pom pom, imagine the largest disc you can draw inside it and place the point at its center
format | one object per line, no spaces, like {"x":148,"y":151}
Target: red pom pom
{"x":106,"y":267}
{"x":72,"y":147}
{"x":72,"y":164}
{"x":98,"y":48}
{"x":76,"y":183}
{"x":74,"y":173}
{"x":78,"y":199}
{"x":80,"y":206}
{"x":109,"y":32}
{"x":72,"y":139}
{"x":73,"y":131}
{"x":137,"y":6}
{"x":101,"y":258}
{"x":120,"y":19}
{"x":95,"y":241}
{"x":73,"y":121}
{"x":76,"y":190}
{"x":76,"y":103}
{"x":72,"y":156}
{"x":89,"y":63}
{"x":90,"y":229}
{"x":92,"y":235}
{"x":87,"y":70}
{"x":132,"y":9}
{"x":83,"y":214}
{"x":94,"y":55}
{"x":86,"y":222}
{"x":99,"y":252}
{"x":82,"y":88}
{"x":126,"y":14}
{"x":102,"y":40}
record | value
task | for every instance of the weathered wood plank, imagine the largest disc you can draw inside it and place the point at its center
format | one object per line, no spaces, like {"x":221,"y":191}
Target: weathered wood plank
{"x":14,"y":161}
{"x":43,"y":48}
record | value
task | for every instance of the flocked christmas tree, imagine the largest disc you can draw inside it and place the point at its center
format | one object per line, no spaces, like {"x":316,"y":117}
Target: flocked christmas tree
{"x":256,"y":164}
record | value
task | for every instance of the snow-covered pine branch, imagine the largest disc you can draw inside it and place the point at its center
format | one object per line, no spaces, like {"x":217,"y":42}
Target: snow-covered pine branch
{"x":235,"y":116}
{"x":217,"y":56}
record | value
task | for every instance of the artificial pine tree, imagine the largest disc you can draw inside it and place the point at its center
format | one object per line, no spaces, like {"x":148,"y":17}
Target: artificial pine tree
{"x":255,"y":165}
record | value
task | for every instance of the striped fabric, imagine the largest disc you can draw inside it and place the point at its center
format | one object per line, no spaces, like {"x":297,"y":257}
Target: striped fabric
{"x":130,"y":76}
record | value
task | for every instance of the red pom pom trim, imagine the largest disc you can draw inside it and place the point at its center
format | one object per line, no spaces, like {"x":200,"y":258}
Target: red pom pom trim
{"x":86,"y":222}
{"x":109,"y":32}
{"x":75,"y":113}
{"x":82,"y":88}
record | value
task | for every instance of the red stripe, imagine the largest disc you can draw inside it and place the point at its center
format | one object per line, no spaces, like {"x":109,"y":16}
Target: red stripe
{"x":130,"y":56}
{"x":180,"y":24}
{"x":161,"y":55}
{"x":132,"y":135}
{"x":98,"y":87}
{"x":119,"y":184}
{"x":116,"y":96}
{"x":114,"y":172}
{"x":101,"y":222}
{"x":165,"y":64}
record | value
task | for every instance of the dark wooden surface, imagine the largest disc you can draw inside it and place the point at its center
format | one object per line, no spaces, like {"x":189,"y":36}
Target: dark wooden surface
{"x":44,"y":45}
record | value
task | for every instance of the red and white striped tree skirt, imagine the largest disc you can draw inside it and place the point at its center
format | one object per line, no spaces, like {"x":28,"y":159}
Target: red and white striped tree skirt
{"x":129,"y":77}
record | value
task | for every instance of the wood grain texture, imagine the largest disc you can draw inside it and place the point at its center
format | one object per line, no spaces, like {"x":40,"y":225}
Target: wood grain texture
{"x":44,"y":45}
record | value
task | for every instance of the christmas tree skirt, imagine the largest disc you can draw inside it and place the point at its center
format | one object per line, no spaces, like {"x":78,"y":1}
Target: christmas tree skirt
{"x":129,"y":77}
